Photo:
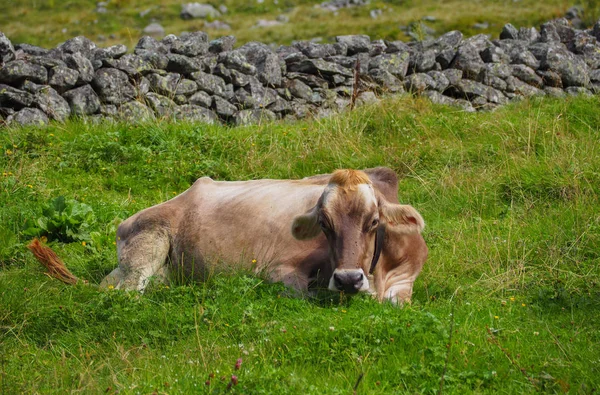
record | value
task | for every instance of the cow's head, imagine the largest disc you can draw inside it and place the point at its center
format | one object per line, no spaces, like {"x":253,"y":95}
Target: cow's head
{"x":349,"y":212}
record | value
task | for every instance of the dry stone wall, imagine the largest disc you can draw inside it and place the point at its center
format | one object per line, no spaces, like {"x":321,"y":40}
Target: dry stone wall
{"x":190,"y":77}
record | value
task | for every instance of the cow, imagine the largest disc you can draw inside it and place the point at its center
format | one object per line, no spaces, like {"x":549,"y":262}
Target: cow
{"x":344,"y":231}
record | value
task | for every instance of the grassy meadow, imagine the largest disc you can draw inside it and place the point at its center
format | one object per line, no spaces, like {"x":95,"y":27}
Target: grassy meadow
{"x":508,"y":301}
{"x":50,"y":22}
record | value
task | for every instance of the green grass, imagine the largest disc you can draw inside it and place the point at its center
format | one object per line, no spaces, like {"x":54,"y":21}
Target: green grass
{"x":507,"y":302}
{"x":50,"y":22}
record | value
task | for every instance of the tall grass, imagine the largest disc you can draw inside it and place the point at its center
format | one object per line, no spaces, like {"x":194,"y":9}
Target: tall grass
{"x":510,"y":199}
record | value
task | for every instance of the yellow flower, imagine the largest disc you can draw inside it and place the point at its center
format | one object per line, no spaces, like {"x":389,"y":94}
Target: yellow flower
{"x":343,"y":311}
{"x":111,"y":287}
{"x":44,"y":239}
{"x":14,"y":146}
{"x":512,"y":298}
{"x":496,"y":317}
{"x":523,"y":304}
{"x":254,"y":261}
{"x":51,"y":135}
{"x":30,"y":186}
{"x":9,"y":152}
{"x":83,"y":243}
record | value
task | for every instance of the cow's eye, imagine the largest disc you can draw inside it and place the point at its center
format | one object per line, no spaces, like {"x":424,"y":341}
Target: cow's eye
{"x":323,"y":224}
{"x":375,"y":223}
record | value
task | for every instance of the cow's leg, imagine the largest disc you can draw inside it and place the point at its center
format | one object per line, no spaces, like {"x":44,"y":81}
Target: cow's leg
{"x":141,"y":256}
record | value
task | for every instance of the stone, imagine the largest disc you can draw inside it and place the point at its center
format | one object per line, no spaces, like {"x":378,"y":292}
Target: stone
{"x":437,"y":98}
{"x":311,"y":80}
{"x":394,"y":63}
{"x":62,"y":78}
{"x":255,"y":116}
{"x":377,"y":48}
{"x":134,"y":111}
{"x":221,"y":44}
{"x":528,"y":34}
{"x":319,"y":67}
{"x":572,"y":69}
{"x":15,"y":98}
{"x":519,"y":87}
{"x":422,"y":61}
{"x":239,"y":79}
{"x":182,"y":64}
{"x":80,"y":45}
{"x":17,"y":71}
{"x":237,"y":61}
{"x":29,"y":49}
{"x":554,"y":92}
{"x":265,"y":61}
{"x":494,"y":55}
{"x":151,"y":44}
{"x":575,"y":91}
{"x":112,"y":52}
{"x":192,"y":113}
{"x":267,"y":23}
{"x":299,"y":89}
{"x":82,"y":65}
{"x":386,"y":81}
{"x":162,"y":106}
{"x":445,"y":57}
{"x":441,"y":82}
{"x":223,"y":108}
{"x":154,"y":29}
{"x":419,"y":82}
{"x":53,"y":104}
{"x":467,"y":60}
{"x":198,"y":10}
{"x":109,"y":110}
{"x":202,"y":99}
{"x":316,"y":51}
{"x":193,"y":44}
{"x":550,"y":78}
{"x":28,"y":116}
{"x":112,"y":86}
{"x":209,"y":83}
{"x":509,"y":32}
{"x":280,"y":106}
{"x":134,"y":65}
{"x":470,"y":90}
{"x":454,"y":76}
{"x":82,"y":100}
{"x":396,"y":46}
{"x":355,"y":43}
{"x":526,"y":58}
{"x":217,"y":25}
{"x":7,"y":51}
{"x":527,"y":74}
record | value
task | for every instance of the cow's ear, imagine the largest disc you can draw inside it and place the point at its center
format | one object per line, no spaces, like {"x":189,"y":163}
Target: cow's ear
{"x":306,"y":226}
{"x":401,"y":217}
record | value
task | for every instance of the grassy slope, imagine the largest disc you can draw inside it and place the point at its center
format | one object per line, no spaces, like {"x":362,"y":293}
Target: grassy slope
{"x":41,"y":22}
{"x":511,"y":204}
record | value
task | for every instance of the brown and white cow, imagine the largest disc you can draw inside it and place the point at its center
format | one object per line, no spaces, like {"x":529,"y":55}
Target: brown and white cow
{"x":321,"y":229}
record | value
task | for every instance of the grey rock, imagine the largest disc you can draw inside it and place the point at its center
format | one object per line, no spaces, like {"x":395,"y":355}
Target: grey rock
{"x":237,"y":61}
{"x":193,"y":44}
{"x":239,"y":79}
{"x":109,"y":110}
{"x":395,"y":63}
{"x":558,"y":30}
{"x":445,"y":57}
{"x":596,"y":30}
{"x":494,"y":55}
{"x":217,"y":25}
{"x":31,"y":87}
{"x":7,"y":51}
{"x":467,"y":60}
{"x":80,"y":44}
{"x":190,"y":112}
{"x":527,"y":74}
{"x":311,"y":80}
{"x":265,"y":61}
{"x":82,"y":100}
{"x":28,"y":116}
{"x":62,"y":78}
{"x":396,"y":46}
{"x":82,"y":65}
{"x":142,"y":86}
{"x":386,"y":81}
{"x":471,"y":90}
{"x":528,"y":34}
{"x":509,"y":32}
{"x":262,"y":96}
{"x":29,"y":49}
{"x":595,"y":76}
{"x":221,"y":44}
{"x":113,"y":86}
{"x":441,"y":82}
{"x":437,"y":98}
{"x":182,"y":64}
{"x":255,"y":116}
{"x":316,"y":51}
{"x":554,"y":92}
{"x":355,"y":43}
{"x":17,"y":71}
{"x":112,"y":52}
{"x":527,"y":58}
{"x":134,"y":111}
{"x":151,"y":44}
{"x":454,"y":76}
{"x":377,"y":47}
{"x":550,"y":78}
{"x":479,"y":41}
{"x":223,"y":108}
{"x":198,"y":10}
{"x":319,"y":67}
{"x":450,"y":40}
{"x":419,"y":82}
{"x":422,"y":61}
{"x":575,"y":91}
{"x":49,"y":101}
{"x":519,"y":87}
{"x":572,"y":69}
{"x":209,"y":83}
{"x":202,"y":99}
{"x":15,"y":98}
{"x":280,"y":106}
{"x":186,"y":87}
{"x":134,"y":65}
{"x":161,"y":105}
{"x":299,"y":89}
{"x":154,"y":29}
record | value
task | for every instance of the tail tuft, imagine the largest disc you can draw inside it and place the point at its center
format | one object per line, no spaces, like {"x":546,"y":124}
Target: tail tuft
{"x":56,"y":268}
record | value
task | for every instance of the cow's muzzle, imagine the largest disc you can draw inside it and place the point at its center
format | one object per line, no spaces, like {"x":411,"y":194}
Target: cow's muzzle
{"x":349,"y":281}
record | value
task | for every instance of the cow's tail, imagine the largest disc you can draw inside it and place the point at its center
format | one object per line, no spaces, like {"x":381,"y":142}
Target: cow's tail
{"x":55,"y":267}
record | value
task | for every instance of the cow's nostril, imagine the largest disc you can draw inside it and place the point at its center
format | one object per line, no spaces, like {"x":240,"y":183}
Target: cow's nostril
{"x":337,"y":280}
